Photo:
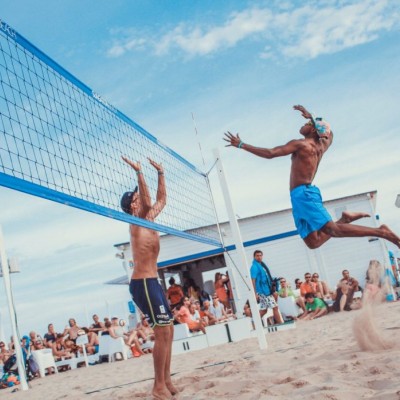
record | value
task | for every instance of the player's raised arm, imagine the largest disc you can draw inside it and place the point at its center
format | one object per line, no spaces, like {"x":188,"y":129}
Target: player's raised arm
{"x":279,"y":151}
{"x":306,"y":114}
{"x":161,"y":199}
{"x":144,"y":193}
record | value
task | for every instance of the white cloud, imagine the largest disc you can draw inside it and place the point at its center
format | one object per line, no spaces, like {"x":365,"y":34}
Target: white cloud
{"x":120,"y":48}
{"x":303,"y":32}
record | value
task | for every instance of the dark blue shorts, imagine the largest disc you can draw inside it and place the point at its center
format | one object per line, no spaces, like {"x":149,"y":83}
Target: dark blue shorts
{"x":149,"y":297}
{"x":309,"y":213}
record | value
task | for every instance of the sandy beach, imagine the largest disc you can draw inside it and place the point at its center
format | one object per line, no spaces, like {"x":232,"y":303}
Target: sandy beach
{"x":319,"y":359}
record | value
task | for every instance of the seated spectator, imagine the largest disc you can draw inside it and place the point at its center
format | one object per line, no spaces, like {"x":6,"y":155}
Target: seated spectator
{"x":200,"y":312}
{"x":345,"y":292}
{"x":323,"y":291}
{"x":59,"y":349}
{"x":297,"y":283}
{"x":72,"y":330}
{"x":247,"y":310}
{"x":217,"y":309}
{"x":308,"y":286}
{"x":50,"y":336}
{"x":342,"y":297}
{"x":204,"y":296}
{"x":92,"y":347}
{"x":145,"y":331}
{"x":286,"y":291}
{"x":4,"y":353}
{"x":36,"y":341}
{"x":11,"y":346}
{"x":107,"y":326}
{"x":207,"y":315}
{"x":130,"y":338}
{"x":97,"y":325}
{"x":315,"y":307}
{"x":174,"y":293}
{"x":194,"y":313}
{"x":350,"y":281}
{"x":183,"y":316}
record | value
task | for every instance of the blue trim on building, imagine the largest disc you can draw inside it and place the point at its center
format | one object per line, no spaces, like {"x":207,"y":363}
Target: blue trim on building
{"x":50,"y":194}
{"x":214,"y":252}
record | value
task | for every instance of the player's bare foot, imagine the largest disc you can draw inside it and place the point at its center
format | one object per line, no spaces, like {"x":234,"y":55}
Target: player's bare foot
{"x":390,"y":235}
{"x":161,"y":394}
{"x":174,"y":390}
{"x":348,"y":217}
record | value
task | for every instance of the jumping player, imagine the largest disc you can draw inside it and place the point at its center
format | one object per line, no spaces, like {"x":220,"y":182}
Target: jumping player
{"x":144,"y":287}
{"x":313,"y":222}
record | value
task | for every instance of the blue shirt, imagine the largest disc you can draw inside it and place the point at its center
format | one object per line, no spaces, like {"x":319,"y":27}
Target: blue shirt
{"x":263,"y":283}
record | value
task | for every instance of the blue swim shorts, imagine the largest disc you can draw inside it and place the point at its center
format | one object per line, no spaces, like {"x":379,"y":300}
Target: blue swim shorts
{"x":149,"y":297}
{"x":309,"y":214}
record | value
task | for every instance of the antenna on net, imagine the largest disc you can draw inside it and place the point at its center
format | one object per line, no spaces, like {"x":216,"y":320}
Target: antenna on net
{"x":198,"y":140}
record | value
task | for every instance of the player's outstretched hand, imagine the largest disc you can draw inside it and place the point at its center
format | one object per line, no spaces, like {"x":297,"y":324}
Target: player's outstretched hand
{"x":157,"y":166}
{"x":233,"y":140}
{"x":303,"y":111}
{"x":135,"y":165}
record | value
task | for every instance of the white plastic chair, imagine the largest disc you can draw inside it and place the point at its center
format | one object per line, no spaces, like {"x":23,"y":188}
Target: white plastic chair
{"x":44,"y":359}
{"x":110,"y":346}
{"x":288,"y":307}
{"x":181,"y":331}
{"x":81,"y":341}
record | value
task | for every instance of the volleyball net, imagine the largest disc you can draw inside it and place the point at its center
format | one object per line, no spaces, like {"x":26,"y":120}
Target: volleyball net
{"x":61,"y":141}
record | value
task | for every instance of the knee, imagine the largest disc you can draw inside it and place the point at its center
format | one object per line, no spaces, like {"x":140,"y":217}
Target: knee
{"x":332,"y":230}
{"x":311,"y":244}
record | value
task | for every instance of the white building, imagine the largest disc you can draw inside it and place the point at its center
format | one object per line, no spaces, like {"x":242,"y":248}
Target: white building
{"x":284,"y":251}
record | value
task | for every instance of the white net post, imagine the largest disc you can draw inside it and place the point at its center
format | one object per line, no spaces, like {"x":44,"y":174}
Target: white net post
{"x":7,"y":285}
{"x":238,"y":242}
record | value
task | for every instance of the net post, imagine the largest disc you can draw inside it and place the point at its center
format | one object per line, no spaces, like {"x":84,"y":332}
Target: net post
{"x":238,"y":242}
{"x":7,"y":285}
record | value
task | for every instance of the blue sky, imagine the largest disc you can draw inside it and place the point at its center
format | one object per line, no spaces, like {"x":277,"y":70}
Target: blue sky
{"x":235,"y":65}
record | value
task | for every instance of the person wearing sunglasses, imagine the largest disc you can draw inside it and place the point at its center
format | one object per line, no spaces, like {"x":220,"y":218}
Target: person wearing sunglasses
{"x":286,"y":291}
{"x":308,"y":286}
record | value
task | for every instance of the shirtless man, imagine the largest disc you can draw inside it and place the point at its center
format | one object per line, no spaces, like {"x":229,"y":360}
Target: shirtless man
{"x":312,"y":220}
{"x":144,"y":287}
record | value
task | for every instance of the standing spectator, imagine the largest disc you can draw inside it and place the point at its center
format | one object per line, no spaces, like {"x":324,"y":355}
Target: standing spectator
{"x":232,"y":305}
{"x":50,"y":336}
{"x":286,"y":291}
{"x":315,"y":307}
{"x":262,"y":282}
{"x":308,"y":286}
{"x":193,"y":291}
{"x":174,"y":293}
{"x":220,"y":289}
